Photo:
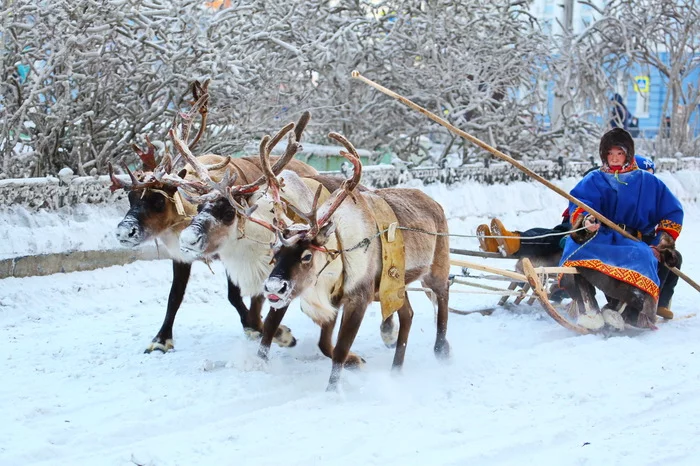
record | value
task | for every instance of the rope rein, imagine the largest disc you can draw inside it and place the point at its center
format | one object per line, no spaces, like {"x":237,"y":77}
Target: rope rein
{"x":365,"y":242}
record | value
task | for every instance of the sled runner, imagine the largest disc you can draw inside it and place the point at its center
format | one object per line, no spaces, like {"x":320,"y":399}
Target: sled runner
{"x":529,"y":282}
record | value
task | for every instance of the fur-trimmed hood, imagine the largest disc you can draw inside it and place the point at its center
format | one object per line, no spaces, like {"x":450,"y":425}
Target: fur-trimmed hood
{"x":616,"y":137}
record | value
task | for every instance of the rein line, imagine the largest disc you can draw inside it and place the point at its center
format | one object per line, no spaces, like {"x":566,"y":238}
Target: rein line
{"x":365,"y":242}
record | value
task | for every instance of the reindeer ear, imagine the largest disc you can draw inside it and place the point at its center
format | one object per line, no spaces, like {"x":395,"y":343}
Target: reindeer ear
{"x":324,"y":234}
{"x":182,"y":173}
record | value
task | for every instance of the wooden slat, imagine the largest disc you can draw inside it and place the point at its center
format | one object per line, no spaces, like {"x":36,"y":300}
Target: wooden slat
{"x":486,"y":268}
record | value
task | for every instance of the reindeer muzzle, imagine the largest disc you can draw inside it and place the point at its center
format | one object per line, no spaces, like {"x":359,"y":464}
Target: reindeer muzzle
{"x":277,"y":291}
{"x":129,"y":232}
{"x":193,"y":240}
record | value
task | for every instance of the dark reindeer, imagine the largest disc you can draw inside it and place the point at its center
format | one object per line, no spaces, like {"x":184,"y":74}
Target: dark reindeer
{"x":310,"y":263}
{"x":154,"y":214}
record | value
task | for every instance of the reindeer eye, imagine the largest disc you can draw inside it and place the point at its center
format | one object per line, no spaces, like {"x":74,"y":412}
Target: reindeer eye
{"x":306,"y":257}
{"x":228,"y":216}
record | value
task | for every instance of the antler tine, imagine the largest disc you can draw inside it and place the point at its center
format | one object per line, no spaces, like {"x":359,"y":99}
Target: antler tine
{"x":348,"y":185}
{"x":199,"y":92}
{"x":188,"y":119}
{"x":291,"y":241}
{"x":348,"y":145}
{"x":217,"y":166}
{"x":279,"y":136}
{"x":310,"y":216}
{"x":248,"y":212}
{"x":301,"y":125}
{"x":187,"y":185}
{"x":199,"y":169}
{"x":164,"y":167}
{"x":148,"y":157}
{"x":116,"y":182}
{"x":293,"y":147}
{"x":260,"y":181}
{"x":135,"y":183}
{"x":197,"y":199}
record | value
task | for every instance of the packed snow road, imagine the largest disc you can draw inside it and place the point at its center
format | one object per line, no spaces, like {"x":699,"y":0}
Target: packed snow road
{"x":518,"y":388}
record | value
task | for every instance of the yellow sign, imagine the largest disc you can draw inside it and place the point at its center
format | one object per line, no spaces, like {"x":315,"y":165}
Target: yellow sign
{"x":641,"y":84}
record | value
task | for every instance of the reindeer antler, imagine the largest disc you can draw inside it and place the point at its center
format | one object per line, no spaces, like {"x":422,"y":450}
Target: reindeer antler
{"x":148,"y":157}
{"x":116,"y":182}
{"x":266,"y":146}
{"x":346,"y":188}
{"x":348,"y":185}
{"x":200,"y":91}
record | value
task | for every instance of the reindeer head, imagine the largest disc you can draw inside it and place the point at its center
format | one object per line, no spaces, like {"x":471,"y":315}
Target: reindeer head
{"x":219,"y":210}
{"x":152,"y":207}
{"x":300,"y":253}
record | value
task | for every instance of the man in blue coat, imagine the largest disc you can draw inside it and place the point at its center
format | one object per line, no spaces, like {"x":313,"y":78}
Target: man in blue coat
{"x":638,"y":202}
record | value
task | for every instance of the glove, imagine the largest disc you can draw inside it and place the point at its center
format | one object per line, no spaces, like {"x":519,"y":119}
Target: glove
{"x":665,"y":252}
{"x":584,"y":235}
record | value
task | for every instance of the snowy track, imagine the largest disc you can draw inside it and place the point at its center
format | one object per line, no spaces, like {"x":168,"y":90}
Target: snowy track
{"x":518,"y":389}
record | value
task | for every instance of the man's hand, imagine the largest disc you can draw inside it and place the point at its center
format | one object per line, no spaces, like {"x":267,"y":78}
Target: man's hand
{"x":591,"y":223}
{"x":581,"y":236}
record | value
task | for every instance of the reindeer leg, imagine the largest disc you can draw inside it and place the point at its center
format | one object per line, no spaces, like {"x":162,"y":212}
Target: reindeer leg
{"x":283,"y":335}
{"x":236,"y":300}
{"x":325,"y":344}
{"x":163,"y":341}
{"x":271,"y":326}
{"x":353,"y":312}
{"x":405,"y":321}
{"x":442,"y":346}
{"x":325,"y":340}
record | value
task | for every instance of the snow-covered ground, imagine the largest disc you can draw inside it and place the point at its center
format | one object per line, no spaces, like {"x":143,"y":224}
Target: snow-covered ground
{"x":518,"y":389}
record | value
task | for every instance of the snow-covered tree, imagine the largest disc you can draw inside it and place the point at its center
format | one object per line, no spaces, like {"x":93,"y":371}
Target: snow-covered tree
{"x":658,"y":34}
{"x":84,"y":79}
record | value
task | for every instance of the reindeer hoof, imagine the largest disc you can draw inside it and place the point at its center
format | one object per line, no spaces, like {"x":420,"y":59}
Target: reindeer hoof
{"x":251,"y":333}
{"x":613,"y":319}
{"x":158,"y":345}
{"x":644,"y":321}
{"x":390,"y":335}
{"x":284,"y":338}
{"x":442,"y":350}
{"x":264,"y":353}
{"x":354,"y":361}
{"x":591,"y":321}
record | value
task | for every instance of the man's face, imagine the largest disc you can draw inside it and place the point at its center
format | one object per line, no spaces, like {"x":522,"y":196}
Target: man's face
{"x":616,"y":157}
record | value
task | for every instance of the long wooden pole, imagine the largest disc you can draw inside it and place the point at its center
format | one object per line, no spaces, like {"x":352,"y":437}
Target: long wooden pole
{"x":604,"y":220}
{"x":494,"y":151}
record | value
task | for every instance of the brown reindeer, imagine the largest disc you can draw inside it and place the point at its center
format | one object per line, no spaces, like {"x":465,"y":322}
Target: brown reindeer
{"x":315,"y":261}
{"x":154,"y":214}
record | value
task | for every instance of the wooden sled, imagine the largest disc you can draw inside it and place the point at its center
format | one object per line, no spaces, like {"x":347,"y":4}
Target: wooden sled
{"x":531,"y":281}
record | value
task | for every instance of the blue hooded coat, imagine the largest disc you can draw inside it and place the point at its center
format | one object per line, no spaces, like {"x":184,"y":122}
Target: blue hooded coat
{"x":631,"y":197}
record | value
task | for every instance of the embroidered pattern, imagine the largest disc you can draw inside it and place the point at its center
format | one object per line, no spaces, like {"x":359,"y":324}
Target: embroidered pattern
{"x":670,"y":227}
{"x":635,"y":279}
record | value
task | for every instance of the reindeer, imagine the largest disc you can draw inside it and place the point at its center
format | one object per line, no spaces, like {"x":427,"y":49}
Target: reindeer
{"x":240,"y":236}
{"x":154,"y":213}
{"x":316,"y":262}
